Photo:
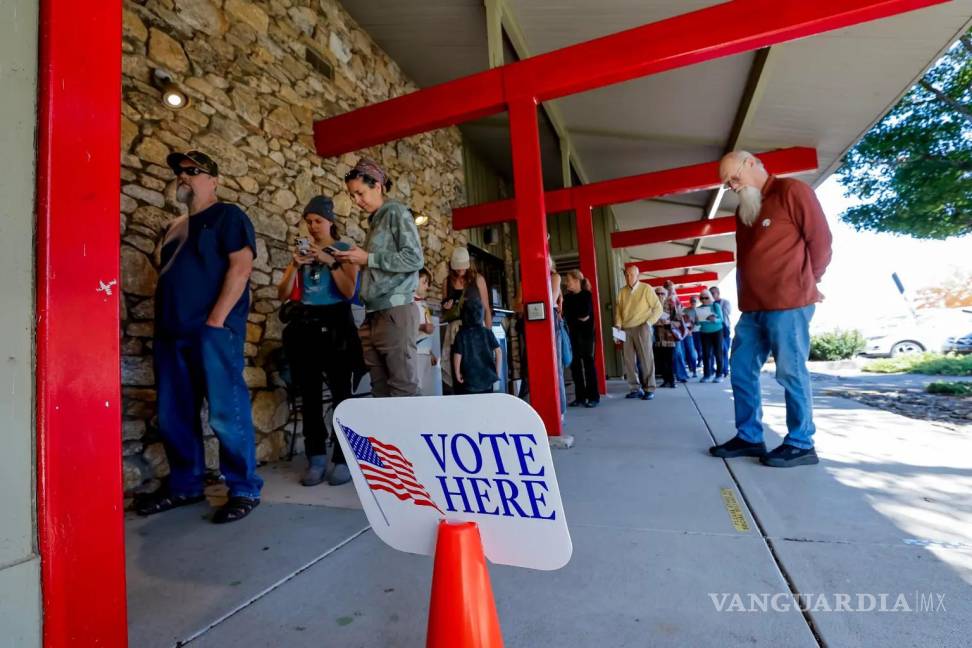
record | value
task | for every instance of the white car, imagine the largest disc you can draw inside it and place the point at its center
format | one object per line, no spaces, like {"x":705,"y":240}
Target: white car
{"x":907,"y":334}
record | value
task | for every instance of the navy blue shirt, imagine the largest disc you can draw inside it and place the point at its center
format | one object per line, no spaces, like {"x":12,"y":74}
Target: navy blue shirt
{"x":195,"y":258}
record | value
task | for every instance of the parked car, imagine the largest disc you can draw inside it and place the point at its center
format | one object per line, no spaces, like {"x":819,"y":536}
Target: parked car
{"x":958,"y":344}
{"x":929,"y":331}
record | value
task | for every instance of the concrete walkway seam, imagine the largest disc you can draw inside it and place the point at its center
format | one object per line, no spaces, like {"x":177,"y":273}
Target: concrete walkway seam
{"x":259,"y":595}
{"x":767,"y":540}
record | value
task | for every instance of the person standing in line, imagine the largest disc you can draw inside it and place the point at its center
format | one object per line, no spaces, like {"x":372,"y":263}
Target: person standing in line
{"x":668,"y":332}
{"x":579,"y":313}
{"x":463,"y":284}
{"x":637,"y":311}
{"x":710,"y":323}
{"x":726,"y":308}
{"x":693,"y":342}
{"x":783,"y":248}
{"x":476,"y":354}
{"x":320,"y":338}
{"x":680,"y":330}
{"x":390,"y":261}
{"x":427,"y":360}
{"x":201,"y":305}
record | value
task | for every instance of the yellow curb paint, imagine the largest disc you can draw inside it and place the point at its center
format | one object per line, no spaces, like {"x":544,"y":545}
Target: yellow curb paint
{"x":735,"y":511}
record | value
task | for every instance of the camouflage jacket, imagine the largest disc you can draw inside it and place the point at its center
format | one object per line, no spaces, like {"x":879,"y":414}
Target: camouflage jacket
{"x":394,"y":258}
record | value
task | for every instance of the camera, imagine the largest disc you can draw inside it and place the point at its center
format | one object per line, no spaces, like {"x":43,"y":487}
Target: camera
{"x":303,"y":246}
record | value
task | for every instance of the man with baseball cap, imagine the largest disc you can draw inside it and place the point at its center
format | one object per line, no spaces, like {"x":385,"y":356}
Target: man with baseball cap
{"x":201,"y":305}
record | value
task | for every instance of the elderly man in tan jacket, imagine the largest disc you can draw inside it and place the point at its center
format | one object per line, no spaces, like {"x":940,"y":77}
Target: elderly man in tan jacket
{"x":636,"y":312}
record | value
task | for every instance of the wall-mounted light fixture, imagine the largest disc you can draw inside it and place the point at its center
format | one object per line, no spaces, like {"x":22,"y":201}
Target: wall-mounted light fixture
{"x":172,"y":97}
{"x":421,"y":220}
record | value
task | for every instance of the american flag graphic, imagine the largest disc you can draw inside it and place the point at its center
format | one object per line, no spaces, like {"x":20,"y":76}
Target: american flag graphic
{"x":385,"y":468}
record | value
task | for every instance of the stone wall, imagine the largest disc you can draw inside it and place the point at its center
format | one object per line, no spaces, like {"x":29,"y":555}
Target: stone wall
{"x":258,"y":73}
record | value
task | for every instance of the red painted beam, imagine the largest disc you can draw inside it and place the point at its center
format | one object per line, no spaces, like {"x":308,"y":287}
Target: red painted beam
{"x":78,"y":395}
{"x":681,"y":290}
{"x":687,"y":261}
{"x":695,"y":177}
{"x":714,"y":32}
{"x":676,"y":232}
{"x":683,"y":279}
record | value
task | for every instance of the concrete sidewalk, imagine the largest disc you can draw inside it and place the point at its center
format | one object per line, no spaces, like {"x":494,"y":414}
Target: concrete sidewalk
{"x":659,"y":544}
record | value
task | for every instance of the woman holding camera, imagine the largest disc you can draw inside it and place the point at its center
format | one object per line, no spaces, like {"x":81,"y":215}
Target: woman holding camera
{"x":320,"y":337}
{"x":463,"y":285}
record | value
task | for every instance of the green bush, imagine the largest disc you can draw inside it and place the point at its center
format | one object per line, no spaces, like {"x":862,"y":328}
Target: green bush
{"x":934,"y":364}
{"x":836,"y":345}
{"x":950,"y":388}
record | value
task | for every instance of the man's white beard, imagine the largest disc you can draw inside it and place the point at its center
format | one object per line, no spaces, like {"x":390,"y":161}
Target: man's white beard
{"x":750,"y":202}
{"x":184,"y":194}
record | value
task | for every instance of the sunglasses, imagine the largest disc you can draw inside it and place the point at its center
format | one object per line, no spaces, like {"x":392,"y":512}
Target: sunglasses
{"x":190,"y":171}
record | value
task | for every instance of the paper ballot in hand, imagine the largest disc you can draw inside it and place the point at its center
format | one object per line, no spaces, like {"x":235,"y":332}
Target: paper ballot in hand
{"x":619,"y":335}
{"x":703,"y":312}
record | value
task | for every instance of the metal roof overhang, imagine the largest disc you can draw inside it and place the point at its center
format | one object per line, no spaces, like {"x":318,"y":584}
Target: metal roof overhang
{"x":822,"y":92}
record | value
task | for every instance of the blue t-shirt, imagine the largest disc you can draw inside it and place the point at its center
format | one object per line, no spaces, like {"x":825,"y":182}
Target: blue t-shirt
{"x":191,"y":280}
{"x":317,"y":285}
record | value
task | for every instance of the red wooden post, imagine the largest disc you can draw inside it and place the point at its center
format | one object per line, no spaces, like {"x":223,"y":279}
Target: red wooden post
{"x":79,"y":475}
{"x":534,"y":264}
{"x":588,"y":264}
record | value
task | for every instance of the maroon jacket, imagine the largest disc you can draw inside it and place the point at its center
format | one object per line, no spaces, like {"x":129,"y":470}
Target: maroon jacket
{"x":786,"y":250}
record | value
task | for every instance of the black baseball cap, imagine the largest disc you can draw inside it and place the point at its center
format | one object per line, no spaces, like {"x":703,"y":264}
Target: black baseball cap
{"x":322,"y":206}
{"x":200,"y":159}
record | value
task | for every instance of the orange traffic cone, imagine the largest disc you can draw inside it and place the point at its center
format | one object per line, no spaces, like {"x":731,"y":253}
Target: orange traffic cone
{"x":462,"y":613}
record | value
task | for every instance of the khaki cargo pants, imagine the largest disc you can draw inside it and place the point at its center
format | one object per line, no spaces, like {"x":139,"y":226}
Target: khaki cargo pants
{"x":388,"y":340}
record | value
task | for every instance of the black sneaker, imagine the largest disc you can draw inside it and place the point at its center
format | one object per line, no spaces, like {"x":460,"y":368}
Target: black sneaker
{"x":591,"y":404}
{"x":736,"y":447}
{"x":787,"y":456}
{"x":577,"y":403}
{"x":648,"y":396}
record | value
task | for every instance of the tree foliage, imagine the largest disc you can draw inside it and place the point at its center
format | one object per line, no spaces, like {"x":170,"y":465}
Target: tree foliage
{"x":914,"y":168}
{"x":953,"y":292}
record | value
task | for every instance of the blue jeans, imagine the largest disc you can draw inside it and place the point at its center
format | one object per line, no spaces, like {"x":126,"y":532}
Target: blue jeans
{"x":208,"y":365}
{"x":689,"y":355}
{"x":697,"y":343}
{"x":787,"y":334}
{"x":679,"y":359}
{"x":726,"y":343}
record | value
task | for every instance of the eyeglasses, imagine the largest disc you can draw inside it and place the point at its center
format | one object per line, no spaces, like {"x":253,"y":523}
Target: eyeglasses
{"x":733,"y":178}
{"x":705,"y":298}
{"x":190,"y":171}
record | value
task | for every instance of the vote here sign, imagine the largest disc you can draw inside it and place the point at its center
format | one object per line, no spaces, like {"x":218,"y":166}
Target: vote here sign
{"x":482,"y":458}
